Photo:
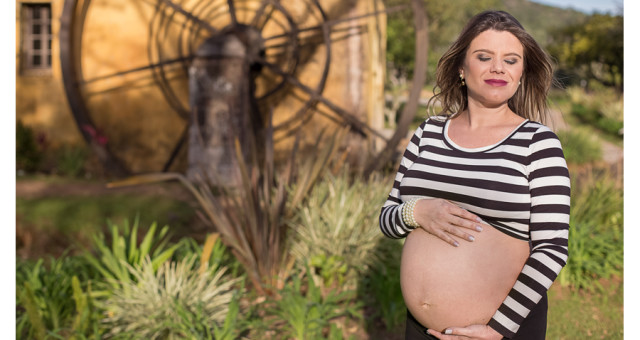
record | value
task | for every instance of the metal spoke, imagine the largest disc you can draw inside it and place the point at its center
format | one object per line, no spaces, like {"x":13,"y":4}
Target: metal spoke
{"x":232,"y":12}
{"x":139,"y":82}
{"x":190,"y":16}
{"x":138,"y":69}
{"x":340,"y":21}
{"x":353,"y":121}
{"x":259,"y":14}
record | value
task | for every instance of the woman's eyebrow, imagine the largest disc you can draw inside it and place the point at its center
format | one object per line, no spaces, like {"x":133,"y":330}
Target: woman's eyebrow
{"x":491,"y":52}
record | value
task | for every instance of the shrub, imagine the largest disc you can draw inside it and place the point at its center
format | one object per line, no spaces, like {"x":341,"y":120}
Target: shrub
{"x":29,"y":153}
{"x":602,"y":109}
{"x":303,"y":311}
{"x":380,"y":287}
{"x":55,"y":300}
{"x":71,"y":160}
{"x":113,"y":261}
{"x":178,"y":301}
{"x":579,"y":146}
{"x":596,"y":232}
{"x":337,"y":227}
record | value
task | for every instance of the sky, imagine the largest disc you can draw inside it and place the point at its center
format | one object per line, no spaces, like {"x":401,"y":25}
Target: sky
{"x":587,"y":6}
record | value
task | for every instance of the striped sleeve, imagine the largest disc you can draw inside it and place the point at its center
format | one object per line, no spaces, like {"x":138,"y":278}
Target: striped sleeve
{"x":549,"y":187}
{"x":391,"y":223}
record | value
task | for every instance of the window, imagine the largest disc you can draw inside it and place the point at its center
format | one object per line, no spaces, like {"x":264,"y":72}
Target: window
{"x":36,"y":40}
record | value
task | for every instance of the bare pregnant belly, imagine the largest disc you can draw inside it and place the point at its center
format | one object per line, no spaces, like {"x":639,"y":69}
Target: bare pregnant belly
{"x":446,"y":286}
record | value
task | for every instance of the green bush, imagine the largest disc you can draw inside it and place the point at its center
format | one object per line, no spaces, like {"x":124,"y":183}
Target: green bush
{"x":71,"y":160}
{"x":113,"y":261}
{"x":54,"y":299}
{"x":380,"y":287}
{"x":579,"y":146}
{"x":596,"y":232}
{"x":29,"y":154}
{"x":176,"y":301}
{"x":337,"y":227}
{"x":304,"y":311}
{"x":602,"y":109}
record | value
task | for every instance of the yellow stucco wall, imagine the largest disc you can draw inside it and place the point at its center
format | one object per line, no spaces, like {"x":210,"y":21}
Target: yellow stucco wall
{"x":132,"y":111}
{"x":40,"y":99}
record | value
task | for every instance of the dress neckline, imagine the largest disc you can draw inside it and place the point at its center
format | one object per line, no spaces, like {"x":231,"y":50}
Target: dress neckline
{"x":453,"y":145}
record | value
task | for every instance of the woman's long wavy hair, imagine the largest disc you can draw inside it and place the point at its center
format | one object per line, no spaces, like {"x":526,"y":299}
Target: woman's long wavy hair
{"x":530,"y":99}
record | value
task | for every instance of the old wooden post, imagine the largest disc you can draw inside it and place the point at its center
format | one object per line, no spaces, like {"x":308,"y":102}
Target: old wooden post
{"x":220,"y":90}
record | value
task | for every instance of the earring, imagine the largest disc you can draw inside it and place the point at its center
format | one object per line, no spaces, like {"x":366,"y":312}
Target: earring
{"x":462,"y":83}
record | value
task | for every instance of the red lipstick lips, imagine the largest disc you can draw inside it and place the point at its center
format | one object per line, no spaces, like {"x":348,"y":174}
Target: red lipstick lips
{"x":496,"y":82}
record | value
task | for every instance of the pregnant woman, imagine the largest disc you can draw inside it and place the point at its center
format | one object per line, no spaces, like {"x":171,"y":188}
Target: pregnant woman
{"x":482,"y":192}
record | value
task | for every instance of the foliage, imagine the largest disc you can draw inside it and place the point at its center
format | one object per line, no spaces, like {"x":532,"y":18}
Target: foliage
{"x":596,"y":233}
{"x":579,"y":146}
{"x":251,"y":218}
{"x":447,"y":18}
{"x":303,"y":311}
{"x":29,"y":153}
{"x":593,"y":49}
{"x":54,"y":300}
{"x":336,"y":229}
{"x":381,"y":289}
{"x":602,"y":109}
{"x":71,"y":160}
{"x":114,"y":261}
{"x":176,"y":301}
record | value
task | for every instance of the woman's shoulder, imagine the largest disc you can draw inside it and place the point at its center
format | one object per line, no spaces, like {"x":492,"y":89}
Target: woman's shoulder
{"x":437,"y":120}
{"x":541,"y":137}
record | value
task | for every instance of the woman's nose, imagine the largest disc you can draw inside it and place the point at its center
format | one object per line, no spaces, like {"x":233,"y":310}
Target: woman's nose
{"x":496,"y":66}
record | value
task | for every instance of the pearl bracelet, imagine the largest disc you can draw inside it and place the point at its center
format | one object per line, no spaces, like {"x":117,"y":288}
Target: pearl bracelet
{"x":408,"y":213}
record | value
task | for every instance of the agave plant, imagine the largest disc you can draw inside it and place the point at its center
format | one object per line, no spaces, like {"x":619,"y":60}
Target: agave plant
{"x":251,"y":219}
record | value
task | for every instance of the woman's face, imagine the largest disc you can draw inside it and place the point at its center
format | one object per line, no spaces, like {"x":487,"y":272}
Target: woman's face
{"x":493,"y":67}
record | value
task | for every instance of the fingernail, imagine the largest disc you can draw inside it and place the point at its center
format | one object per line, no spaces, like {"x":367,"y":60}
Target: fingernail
{"x":448,"y":331}
{"x":471,"y":238}
{"x":455,"y":243}
{"x":478,"y":228}
{"x":479,"y":219}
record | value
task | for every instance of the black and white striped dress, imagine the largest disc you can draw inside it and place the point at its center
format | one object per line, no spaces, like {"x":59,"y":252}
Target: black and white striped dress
{"x":519,"y":185}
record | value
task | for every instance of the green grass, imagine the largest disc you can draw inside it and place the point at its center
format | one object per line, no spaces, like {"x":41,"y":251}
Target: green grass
{"x":85,"y":214}
{"x":67,"y":221}
{"x":582,"y":315}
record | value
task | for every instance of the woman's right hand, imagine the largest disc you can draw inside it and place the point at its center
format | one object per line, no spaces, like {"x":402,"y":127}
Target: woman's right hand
{"x":445,"y":219}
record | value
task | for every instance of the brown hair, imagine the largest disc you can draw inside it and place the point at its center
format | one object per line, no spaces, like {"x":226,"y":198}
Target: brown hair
{"x":530,"y":99}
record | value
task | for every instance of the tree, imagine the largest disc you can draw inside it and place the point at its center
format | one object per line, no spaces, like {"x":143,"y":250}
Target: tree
{"x":446,"y":19}
{"x":591,"y":50}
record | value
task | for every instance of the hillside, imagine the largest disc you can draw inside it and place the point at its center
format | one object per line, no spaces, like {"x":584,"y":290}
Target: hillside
{"x":538,"y":19}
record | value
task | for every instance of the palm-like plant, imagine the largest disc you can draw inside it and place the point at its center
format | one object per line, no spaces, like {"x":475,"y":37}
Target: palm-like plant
{"x":251,"y":218}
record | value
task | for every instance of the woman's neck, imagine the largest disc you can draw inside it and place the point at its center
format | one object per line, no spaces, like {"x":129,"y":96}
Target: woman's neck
{"x":478,"y":116}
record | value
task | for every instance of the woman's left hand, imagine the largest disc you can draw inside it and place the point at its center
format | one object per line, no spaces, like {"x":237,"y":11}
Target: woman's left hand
{"x":479,"y":332}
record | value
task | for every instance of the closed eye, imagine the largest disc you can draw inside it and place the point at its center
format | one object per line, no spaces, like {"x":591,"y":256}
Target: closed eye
{"x":511,"y":61}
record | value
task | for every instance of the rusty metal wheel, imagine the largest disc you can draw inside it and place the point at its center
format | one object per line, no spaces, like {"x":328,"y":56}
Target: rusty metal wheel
{"x":106,"y":69}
